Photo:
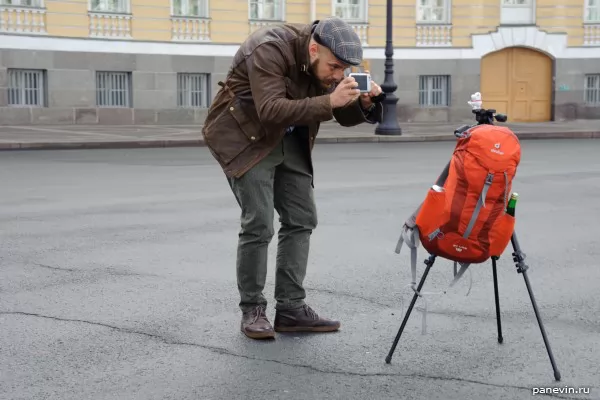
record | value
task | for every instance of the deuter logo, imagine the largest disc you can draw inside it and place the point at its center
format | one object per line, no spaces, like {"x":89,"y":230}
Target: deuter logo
{"x":459,"y":248}
{"x":497,"y":150}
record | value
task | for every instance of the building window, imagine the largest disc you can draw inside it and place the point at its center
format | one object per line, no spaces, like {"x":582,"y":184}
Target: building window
{"x":516,"y":2}
{"x":266,"y":10}
{"x":592,"y":90}
{"x":350,"y":10}
{"x":592,"y":11}
{"x":190,"y":8}
{"x":193,"y":90}
{"x":433,"y":11}
{"x":434,"y":90}
{"x":23,"y":3}
{"x":26,"y":87}
{"x":110,"y":6}
{"x":113,"y":89}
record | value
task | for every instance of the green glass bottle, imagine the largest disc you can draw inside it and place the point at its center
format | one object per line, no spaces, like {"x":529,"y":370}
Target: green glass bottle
{"x":512,"y":203}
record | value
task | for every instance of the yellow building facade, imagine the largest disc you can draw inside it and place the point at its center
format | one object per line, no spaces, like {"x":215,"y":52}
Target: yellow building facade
{"x":534,"y":59}
{"x":421,"y":22}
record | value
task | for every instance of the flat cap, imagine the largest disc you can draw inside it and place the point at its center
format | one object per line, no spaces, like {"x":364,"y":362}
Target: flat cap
{"x":339,"y":37}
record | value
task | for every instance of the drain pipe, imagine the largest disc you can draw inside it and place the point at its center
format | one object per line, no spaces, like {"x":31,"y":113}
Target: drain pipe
{"x":313,"y":10}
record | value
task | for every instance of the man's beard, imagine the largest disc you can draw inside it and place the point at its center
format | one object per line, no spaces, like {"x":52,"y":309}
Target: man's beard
{"x":327,"y":85}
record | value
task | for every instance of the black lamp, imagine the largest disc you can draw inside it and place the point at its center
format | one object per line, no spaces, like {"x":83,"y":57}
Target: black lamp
{"x":389,"y":125}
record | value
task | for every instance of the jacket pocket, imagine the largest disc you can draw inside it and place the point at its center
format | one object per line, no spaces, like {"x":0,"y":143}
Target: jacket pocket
{"x":233,"y":131}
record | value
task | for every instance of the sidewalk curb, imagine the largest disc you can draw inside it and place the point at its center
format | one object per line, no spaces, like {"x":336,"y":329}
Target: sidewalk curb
{"x":451,"y":137}
{"x":161,"y":143}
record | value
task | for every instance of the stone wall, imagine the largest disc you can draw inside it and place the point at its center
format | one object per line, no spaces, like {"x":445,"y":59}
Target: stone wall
{"x":71,"y":94}
{"x":71,"y":87}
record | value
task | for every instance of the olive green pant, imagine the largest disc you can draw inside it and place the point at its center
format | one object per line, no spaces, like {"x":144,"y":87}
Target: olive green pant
{"x":282,"y":182}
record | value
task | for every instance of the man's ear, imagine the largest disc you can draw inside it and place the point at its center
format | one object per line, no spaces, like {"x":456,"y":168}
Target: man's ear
{"x":313,"y":49}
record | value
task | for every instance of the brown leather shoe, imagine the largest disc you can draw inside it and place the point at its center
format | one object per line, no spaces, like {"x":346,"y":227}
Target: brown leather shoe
{"x":303,"y":319}
{"x":255,"y":324}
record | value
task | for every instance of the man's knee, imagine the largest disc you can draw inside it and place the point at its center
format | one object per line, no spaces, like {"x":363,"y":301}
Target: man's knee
{"x":311,"y":218}
{"x":257,"y":226}
{"x":254,"y":194}
{"x":299,"y":216}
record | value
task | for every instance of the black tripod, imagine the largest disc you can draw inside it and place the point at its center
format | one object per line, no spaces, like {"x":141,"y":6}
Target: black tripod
{"x":483,"y":117}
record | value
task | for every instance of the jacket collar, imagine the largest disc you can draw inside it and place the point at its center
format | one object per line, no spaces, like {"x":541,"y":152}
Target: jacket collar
{"x":302,"y":54}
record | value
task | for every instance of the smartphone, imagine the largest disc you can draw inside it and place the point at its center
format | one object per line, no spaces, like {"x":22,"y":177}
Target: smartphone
{"x":363,"y":80}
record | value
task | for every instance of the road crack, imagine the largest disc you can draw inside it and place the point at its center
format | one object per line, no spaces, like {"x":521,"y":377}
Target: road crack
{"x":108,"y":270}
{"x":349,"y":295}
{"x":309,"y":367}
{"x":55,"y":268}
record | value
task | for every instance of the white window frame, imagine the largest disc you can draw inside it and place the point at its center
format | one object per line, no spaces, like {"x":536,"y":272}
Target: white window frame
{"x":186,"y":7}
{"x":23,"y":88}
{"x":278,"y":5}
{"x":363,"y":7}
{"x":447,"y":12}
{"x":110,"y":6}
{"x":587,"y":10}
{"x":23,"y":3}
{"x":189,"y":96}
{"x":591,"y":90}
{"x":427,"y":94}
{"x":104,"y":96}
{"x":516,"y":4}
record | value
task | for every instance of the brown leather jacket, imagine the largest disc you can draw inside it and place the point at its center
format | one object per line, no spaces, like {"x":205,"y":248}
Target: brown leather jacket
{"x":268,"y":89}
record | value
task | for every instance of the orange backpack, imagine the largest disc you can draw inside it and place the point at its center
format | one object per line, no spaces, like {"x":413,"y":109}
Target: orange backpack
{"x":463,"y":216}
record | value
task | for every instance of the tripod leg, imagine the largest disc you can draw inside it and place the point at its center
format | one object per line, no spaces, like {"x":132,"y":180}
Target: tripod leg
{"x":500,"y":338}
{"x":519,"y":258}
{"x":429,"y":262}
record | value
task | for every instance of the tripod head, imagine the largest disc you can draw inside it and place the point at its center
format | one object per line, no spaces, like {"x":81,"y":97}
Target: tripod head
{"x":487,"y":116}
{"x":482,"y":116}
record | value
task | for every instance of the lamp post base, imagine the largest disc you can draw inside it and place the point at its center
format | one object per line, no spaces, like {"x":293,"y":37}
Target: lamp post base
{"x":389,"y":125}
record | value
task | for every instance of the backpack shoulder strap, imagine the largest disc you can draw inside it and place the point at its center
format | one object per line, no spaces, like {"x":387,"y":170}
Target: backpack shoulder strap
{"x":480,"y":203}
{"x":410,"y":236}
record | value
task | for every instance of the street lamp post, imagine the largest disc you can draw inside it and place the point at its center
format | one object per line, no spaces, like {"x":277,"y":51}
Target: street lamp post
{"x":389,"y":125}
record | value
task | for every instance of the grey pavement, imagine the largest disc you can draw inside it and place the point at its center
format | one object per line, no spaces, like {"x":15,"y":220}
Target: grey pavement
{"x":134,"y":136}
{"x":117,"y":281}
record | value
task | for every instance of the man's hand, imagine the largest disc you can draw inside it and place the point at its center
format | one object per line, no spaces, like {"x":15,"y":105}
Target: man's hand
{"x":366,"y":98}
{"x":346,"y":92}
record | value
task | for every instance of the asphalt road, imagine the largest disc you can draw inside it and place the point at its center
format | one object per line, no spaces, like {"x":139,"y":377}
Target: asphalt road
{"x":117,"y":281}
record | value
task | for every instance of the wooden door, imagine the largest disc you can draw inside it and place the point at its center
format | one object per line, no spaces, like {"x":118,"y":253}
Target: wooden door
{"x":518,"y":82}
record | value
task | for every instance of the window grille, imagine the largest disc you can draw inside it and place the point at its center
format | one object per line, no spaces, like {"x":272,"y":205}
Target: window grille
{"x":592,"y":90}
{"x":113,"y":89}
{"x":193,"y":90}
{"x":434,"y":90}
{"x":26,"y":87}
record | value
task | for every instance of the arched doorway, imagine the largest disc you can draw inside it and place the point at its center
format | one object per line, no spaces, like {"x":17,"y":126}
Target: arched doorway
{"x":517,"y":81}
